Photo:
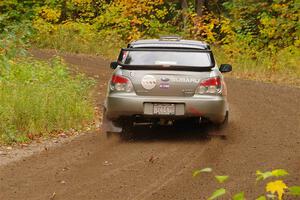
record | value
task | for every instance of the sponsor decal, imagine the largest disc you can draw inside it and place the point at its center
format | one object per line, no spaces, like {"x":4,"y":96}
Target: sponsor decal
{"x":185,"y":80}
{"x":164,"y":86}
{"x":132,"y":74}
{"x":148,"y":82}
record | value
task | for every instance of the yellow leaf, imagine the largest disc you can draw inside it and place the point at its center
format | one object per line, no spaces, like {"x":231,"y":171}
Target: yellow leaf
{"x":276,"y":187}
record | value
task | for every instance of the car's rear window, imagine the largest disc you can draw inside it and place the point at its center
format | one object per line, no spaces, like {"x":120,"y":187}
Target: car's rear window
{"x":166,"y":58}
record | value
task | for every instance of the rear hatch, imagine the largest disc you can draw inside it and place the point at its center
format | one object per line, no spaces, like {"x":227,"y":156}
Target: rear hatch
{"x":166,"y":72}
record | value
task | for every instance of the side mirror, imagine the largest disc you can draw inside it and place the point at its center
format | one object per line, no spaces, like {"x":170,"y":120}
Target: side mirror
{"x":114,"y":65}
{"x":225,"y":68}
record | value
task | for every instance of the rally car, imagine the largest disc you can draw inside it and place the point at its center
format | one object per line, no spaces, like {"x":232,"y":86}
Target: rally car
{"x":161,"y":81}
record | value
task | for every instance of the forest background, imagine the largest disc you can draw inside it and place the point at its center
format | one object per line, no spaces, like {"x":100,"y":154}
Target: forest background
{"x":261,"y":39}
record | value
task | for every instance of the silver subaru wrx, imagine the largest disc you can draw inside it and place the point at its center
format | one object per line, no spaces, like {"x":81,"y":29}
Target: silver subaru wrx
{"x":162,"y":81}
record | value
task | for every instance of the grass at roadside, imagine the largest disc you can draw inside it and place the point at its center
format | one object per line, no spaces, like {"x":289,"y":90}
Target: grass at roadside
{"x":78,"y":38}
{"x":39,"y":98}
{"x":282,"y":68}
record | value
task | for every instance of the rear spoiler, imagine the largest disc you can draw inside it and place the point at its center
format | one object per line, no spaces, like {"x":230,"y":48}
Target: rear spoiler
{"x":165,"y":67}
{"x":165,"y":49}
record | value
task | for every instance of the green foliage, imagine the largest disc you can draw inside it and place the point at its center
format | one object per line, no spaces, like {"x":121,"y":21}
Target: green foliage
{"x":221,"y":179}
{"x":274,"y":173}
{"x":133,"y":19}
{"x":14,"y":12}
{"x":260,"y":65}
{"x":263,"y":175}
{"x":261,"y":198}
{"x":38,"y":98}
{"x":239,"y":196}
{"x":205,"y":170}
{"x":279,"y":172}
{"x":218,"y":193}
{"x":13,"y":41}
{"x":274,"y":189}
{"x":77,"y":37}
{"x":271,"y":25}
{"x":295,"y":191}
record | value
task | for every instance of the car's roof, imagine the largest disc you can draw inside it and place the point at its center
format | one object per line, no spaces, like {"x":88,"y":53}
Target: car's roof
{"x":169,"y":42}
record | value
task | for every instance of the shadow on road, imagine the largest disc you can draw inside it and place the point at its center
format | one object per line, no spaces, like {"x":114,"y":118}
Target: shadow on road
{"x":185,"y":132}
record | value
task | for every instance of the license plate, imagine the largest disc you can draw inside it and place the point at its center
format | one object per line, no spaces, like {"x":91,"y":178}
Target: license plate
{"x":164,"y":109}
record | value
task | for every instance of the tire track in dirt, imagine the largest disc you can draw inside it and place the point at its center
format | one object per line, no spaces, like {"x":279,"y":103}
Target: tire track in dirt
{"x":122,"y":166}
{"x":169,"y":176}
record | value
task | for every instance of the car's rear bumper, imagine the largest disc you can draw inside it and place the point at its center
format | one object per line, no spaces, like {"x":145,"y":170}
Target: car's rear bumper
{"x":213,"y":107}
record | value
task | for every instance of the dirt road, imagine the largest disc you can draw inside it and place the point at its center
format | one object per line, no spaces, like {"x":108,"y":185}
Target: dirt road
{"x":264,"y":133}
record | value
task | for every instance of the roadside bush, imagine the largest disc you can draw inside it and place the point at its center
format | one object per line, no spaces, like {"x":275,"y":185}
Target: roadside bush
{"x":266,"y":25}
{"x":133,"y":19}
{"x":76,"y":37}
{"x":38,"y":98}
{"x":14,"y":40}
{"x":282,"y":67}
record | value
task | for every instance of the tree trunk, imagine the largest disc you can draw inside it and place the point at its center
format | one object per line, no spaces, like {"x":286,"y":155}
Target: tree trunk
{"x":184,"y":7}
{"x":96,"y":6}
{"x":199,"y":6}
{"x":63,"y":15}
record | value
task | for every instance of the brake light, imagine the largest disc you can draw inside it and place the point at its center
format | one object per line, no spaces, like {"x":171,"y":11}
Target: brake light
{"x":209,"y":86}
{"x":118,"y":79}
{"x":121,"y":84}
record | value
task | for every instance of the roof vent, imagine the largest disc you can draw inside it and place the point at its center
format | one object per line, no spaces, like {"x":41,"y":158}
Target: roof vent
{"x":170,"y":38}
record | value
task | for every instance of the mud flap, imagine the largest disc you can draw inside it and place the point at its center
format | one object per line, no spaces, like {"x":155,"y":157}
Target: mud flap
{"x":220,"y":129}
{"x":108,"y":126}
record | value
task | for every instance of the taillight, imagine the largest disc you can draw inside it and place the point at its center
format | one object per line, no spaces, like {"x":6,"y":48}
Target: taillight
{"x":209,"y":86}
{"x":121,"y":84}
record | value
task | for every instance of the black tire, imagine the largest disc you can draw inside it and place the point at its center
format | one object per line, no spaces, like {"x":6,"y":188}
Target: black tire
{"x":127,"y":130}
{"x":225,"y":121}
{"x":223,"y":124}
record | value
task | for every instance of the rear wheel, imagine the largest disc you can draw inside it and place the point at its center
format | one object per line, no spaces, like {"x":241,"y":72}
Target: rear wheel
{"x":219,"y":129}
{"x":224,"y":124}
{"x":127,"y":130}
